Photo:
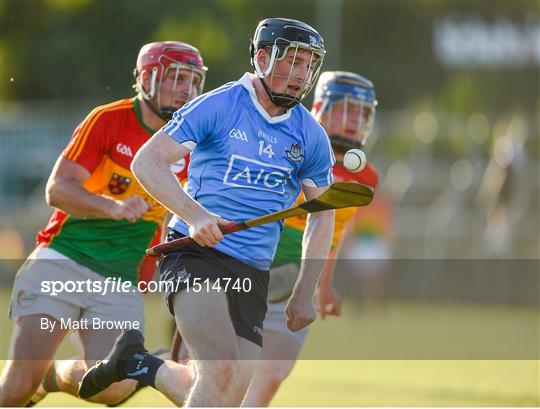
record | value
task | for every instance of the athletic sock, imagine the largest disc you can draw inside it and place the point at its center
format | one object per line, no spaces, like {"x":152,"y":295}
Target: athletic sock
{"x":49,"y":382}
{"x":143,"y":367}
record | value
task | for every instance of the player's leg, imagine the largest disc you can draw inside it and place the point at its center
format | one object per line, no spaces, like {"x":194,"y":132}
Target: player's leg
{"x":278,"y":358}
{"x":206,"y":323}
{"x":250,"y":354}
{"x":221,"y":376}
{"x":98,"y":341}
{"x":175,"y":380}
{"x":166,"y":382}
{"x":178,"y":347}
{"x":280,"y":351}
{"x":30,"y":357}
{"x":96,"y":345}
{"x":38,"y":331}
{"x":218,"y":329}
{"x":68,"y":372}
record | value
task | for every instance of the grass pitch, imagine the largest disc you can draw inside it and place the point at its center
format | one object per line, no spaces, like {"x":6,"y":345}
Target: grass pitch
{"x":350,"y":381}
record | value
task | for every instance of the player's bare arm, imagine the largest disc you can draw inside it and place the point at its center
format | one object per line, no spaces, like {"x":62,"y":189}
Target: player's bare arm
{"x":152,"y":168}
{"x":65,"y":191}
{"x":316,"y":246}
{"x":327,"y":300}
{"x":164,"y":226}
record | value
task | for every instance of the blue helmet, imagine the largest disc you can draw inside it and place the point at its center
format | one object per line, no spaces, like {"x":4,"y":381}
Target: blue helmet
{"x":356,"y":113}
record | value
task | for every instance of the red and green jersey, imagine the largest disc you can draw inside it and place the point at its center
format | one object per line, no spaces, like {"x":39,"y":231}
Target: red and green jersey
{"x":105,"y":144}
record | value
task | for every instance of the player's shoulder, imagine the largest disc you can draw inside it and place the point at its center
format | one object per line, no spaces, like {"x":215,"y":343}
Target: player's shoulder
{"x":111,"y":110}
{"x":116,"y":106}
{"x":216,"y":98}
{"x":307,"y":122}
{"x":301,"y":112}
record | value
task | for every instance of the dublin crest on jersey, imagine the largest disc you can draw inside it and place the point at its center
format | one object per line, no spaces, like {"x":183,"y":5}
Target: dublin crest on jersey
{"x":295,"y":153}
{"x":119,"y":184}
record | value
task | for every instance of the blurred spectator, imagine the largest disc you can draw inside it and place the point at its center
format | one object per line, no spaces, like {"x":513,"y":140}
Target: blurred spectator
{"x":503,"y":192}
{"x":369,"y":250}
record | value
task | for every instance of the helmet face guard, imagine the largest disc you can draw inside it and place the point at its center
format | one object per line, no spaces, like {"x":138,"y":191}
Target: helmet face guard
{"x":346,"y":108}
{"x":284,"y":49}
{"x":177,"y":76}
{"x":294,"y":40}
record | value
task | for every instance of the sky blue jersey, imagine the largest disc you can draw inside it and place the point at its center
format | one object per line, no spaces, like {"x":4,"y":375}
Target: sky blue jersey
{"x":246,"y":164}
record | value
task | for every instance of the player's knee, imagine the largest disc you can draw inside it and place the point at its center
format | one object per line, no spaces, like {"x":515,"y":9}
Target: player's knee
{"x":244,"y":375}
{"x":228,"y":369}
{"x":222,"y":374}
{"x":276,"y":374}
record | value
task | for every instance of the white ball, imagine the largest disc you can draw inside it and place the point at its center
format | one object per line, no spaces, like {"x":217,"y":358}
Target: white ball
{"x":354,"y":160}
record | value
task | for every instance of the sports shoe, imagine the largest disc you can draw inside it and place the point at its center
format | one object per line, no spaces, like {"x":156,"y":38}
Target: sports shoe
{"x":111,"y":370}
{"x":139,"y":386}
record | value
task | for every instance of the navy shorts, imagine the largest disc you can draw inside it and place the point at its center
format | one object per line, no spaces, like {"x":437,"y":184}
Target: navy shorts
{"x":194,"y":268}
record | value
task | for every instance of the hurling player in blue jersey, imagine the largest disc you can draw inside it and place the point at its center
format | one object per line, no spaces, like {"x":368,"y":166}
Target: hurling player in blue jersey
{"x":253,"y":149}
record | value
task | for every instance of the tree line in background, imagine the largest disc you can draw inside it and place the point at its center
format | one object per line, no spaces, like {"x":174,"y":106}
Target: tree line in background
{"x":86,"y":49}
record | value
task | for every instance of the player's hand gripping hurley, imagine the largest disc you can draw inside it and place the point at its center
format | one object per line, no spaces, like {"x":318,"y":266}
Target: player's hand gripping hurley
{"x":338,"y":196}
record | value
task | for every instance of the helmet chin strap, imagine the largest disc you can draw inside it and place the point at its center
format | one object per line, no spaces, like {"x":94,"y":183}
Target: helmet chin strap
{"x":165,"y":113}
{"x":281,"y":100}
{"x":342,"y":145}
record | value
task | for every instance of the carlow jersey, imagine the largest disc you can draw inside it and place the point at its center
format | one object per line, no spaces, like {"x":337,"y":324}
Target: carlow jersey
{"x":290,"y":244}
{"x":105,"y":144}
{"x":246,"y":164}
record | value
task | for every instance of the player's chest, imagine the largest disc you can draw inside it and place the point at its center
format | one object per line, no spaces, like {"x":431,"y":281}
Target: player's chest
{"x":259,"y":157}
{"x":124,"y":146}
{"x":272,"y":145}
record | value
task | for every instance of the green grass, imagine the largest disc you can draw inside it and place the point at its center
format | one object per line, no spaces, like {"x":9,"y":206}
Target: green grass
{"x":402,"y":330}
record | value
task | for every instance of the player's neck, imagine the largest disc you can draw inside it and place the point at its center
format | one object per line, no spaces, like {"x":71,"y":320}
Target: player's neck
{"x":149,"y":117}
{"x":265,"y":100}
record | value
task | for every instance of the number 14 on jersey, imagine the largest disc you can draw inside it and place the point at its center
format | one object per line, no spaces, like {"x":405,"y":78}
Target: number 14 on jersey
{"x":266,"y":149}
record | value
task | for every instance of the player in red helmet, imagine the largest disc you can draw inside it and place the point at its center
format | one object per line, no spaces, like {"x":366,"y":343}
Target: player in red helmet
{"x":165,"y":61}
{"x":103,"y":222}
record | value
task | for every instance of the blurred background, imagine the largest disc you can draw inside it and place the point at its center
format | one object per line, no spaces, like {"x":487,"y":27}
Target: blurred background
{"x":456,"y":138}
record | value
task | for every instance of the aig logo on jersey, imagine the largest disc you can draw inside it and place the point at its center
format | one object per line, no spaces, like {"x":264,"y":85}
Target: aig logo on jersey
{"x":238,"y":134}
{"x":252,"y":174}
